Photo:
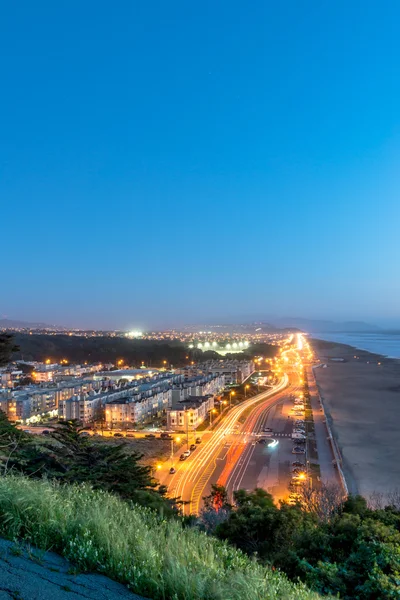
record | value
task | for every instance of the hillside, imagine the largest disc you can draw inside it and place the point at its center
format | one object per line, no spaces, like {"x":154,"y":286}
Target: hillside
{"x":154,"y":557}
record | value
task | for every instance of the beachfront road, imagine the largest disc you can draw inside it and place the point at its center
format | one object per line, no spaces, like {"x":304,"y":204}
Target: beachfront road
{"x":195,"y":475}
{"x":267,"y":466}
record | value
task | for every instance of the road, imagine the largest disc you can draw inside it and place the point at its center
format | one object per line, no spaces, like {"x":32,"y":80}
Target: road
{"x":194,"y":476}
{"x":251,"y":465}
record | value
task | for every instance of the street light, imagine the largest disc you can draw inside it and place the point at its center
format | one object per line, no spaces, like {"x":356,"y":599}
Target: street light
{"x":246,"y":387}
{"x":211,"y":414}
{"x":177,"y":440}
{"x":230,"y":398}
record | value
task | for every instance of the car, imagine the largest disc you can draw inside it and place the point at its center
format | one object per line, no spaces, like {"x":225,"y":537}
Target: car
{"x":198,"y":440}
{"x":84,"y":434}
{"x":45,"y":432}
{"x":118,"y":435}
{"x":267,"y":429}
{"x":165,"y":436}
{"x":149,"y":435}
{"x":193,"y":447}
{"x":183,"y":457}
{"x":130,"y":435}
{"x":253,"y":443}
{"x":172,"y":471}
{"x":186,"y":453}
{"x":262,"y":441}
{"x":297,"y":463}
{"x":26,"y":430}
{"x":298,"y":450}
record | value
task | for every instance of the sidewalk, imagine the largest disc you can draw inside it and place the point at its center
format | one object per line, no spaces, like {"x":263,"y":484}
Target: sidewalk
{"x":326,"y":457}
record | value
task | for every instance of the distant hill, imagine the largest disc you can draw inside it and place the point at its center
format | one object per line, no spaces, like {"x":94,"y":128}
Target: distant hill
{"x":321,"y":326}
{"x":12,"y":324}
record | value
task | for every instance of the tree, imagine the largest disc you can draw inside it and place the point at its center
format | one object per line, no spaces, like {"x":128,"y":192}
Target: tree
{"x":7,"y":347}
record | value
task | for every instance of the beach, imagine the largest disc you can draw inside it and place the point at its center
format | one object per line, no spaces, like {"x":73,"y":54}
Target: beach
{"x":361,"y":396}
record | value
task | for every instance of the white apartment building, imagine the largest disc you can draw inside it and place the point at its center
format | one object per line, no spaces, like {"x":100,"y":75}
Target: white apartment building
{"x":188,"y":414}
{"x":82,"y":407}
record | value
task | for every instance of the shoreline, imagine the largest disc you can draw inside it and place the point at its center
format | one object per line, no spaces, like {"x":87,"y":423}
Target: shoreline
{"x":361,"y":396}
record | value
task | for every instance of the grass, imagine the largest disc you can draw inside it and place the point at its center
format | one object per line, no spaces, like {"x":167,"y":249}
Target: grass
{"x":157,"y":558}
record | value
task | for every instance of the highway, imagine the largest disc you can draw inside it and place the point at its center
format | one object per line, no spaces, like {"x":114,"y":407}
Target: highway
{"x":194,"y":476}
{"x":253,"y":465}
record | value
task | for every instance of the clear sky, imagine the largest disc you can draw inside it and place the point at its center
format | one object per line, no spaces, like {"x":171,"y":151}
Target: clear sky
{"x":168,"y":162}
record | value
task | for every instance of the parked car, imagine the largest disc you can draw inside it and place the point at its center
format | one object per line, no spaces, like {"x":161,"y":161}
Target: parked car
{"x":172,"y":471}
{"x":198,"y":440}
{"x":187,"y":453}
{"x":26,"y":430}
{"x":149,"y":435}
{"x":45,"y":432}
{"x":262,"y":441}
{"x":183,"y":457}
{"x":118,"y":435}
{"x":165,"y":436}
{"x":298,"y":450}
{"x":130,"y":435}
{"x":267,"y":429}
{"x":193,"y":447}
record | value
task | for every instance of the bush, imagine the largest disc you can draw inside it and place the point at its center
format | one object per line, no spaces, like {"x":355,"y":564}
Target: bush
{"x":154,"y":557}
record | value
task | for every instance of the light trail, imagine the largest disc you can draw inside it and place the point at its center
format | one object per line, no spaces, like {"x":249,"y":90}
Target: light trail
{"x":196,"y":471}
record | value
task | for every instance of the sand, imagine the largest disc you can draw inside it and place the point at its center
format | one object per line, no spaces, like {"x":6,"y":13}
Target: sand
{"x":362,"y":401}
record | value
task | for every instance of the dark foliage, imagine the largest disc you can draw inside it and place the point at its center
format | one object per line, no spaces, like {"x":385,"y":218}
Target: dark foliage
{"x":7,"y":347}
{"x":72,"y":458}
{"x":356,"y":553}
{"x":110,"y":349}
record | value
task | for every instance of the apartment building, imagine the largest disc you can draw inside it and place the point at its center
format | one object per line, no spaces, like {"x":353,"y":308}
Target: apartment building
{"x":188,"y":414}
{"x":233,"y":371}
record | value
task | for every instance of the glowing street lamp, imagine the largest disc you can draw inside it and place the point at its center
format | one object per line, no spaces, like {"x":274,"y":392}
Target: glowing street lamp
{"x":211,"y":414}
{"x":230,"y":398}
{"x":177,"y":440}
{"x":246,"y":387}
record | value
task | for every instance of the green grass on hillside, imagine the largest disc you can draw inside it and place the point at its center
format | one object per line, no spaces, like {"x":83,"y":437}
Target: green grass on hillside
{"x":154,"y":557}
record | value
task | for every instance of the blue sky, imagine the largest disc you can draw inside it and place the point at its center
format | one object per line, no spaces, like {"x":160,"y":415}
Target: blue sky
{"x":171,"y":162}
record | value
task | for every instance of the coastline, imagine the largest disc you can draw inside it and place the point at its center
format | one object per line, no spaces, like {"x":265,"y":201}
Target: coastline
{"x":361,"y":397}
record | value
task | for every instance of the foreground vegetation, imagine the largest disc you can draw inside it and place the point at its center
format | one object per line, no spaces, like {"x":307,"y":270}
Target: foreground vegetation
{"x":155,"y":557}
{"x":336,"y":547}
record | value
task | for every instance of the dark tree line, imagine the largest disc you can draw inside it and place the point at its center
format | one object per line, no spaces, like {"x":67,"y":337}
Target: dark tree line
{"x":7,"y":347}
{"x":106,"y":349}
{"x":70,"y":457}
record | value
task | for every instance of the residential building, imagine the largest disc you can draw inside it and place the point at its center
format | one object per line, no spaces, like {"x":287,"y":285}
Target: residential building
{"x":188,"y":414}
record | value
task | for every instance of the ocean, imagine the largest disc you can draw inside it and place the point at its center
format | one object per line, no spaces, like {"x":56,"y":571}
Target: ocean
{"x":384,"y":343}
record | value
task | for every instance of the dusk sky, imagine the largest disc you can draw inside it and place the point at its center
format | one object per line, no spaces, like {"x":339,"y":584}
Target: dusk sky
{"x":170,"y":162}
